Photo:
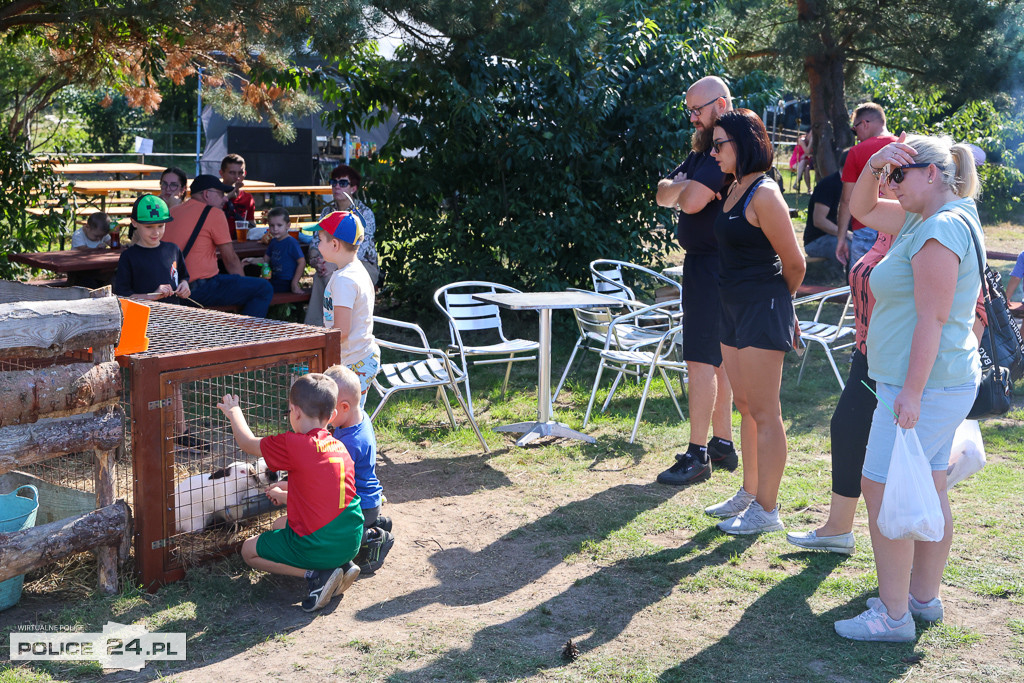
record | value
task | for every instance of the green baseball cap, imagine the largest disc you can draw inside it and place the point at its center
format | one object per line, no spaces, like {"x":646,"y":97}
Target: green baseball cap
{"x":150,"y":209}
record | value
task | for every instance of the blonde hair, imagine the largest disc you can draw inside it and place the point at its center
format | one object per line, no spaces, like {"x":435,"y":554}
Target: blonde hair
{"x":955,"y":162}
{"x":349,"y":388}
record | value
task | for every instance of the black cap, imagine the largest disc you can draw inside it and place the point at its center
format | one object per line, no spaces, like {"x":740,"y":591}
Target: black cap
{"x":209,"y":182}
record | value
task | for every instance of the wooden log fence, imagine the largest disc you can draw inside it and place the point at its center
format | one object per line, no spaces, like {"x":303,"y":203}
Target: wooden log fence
{"x":49,"y":412}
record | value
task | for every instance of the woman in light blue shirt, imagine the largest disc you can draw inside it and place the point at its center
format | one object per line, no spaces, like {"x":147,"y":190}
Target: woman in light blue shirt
{"x":921,"y":353}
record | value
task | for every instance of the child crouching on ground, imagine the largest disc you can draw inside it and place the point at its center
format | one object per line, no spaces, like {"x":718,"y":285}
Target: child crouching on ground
{"x":348,"y":298}
{"x":323,"y":529}
{"x":355,"y":431}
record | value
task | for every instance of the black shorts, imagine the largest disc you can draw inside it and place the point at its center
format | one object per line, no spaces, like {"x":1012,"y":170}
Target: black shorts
{"x":701,"y":310}
{"x":762,"y":324}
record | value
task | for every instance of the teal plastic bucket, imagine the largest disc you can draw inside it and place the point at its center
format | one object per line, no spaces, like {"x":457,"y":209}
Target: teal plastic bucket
{"x":16,"y":513}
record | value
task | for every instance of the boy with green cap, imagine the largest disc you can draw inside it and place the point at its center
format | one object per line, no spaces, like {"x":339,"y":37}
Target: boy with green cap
{"x":151,"y":269}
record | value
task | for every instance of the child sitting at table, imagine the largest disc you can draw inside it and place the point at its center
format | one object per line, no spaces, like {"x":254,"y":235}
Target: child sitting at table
{"x":287,"y":264}
{"x":95,"y":234}
{"x":151,"y":269}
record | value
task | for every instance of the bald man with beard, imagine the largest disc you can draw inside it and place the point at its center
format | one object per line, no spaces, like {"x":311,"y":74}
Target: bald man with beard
{"x":695,"y":188}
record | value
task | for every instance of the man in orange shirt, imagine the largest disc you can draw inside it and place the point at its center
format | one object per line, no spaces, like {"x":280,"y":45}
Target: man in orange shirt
{"x":200,"y":229}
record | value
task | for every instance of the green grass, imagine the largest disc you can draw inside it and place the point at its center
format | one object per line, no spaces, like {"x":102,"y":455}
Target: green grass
{"x":653,"y":592}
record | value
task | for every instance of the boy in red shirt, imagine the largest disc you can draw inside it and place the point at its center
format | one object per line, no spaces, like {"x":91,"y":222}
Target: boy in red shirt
{"x":323,"y":529}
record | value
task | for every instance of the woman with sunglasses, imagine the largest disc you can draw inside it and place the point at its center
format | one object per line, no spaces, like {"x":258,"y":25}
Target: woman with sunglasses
{"x":345,"y":183}
{"x":922,"y":354}
{"x":760,"y":267}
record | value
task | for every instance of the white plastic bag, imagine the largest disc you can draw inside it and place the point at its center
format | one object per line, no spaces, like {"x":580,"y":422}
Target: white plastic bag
{"x":910,"y":504}
{"x":968,"y":454}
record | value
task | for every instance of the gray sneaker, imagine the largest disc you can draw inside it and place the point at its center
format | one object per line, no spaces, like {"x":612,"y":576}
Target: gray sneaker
{"x":930,"y":611}
{"x":875,"y":625}
{"x":841,"y":543}
{"x":732,"y":506}
{"x":754,"y":520}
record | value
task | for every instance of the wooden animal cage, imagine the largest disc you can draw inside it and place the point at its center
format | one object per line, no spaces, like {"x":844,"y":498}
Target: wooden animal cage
{"x":195,"y":356}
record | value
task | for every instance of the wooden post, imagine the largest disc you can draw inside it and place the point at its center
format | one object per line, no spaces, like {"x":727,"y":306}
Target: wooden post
{"x":106,"y":556}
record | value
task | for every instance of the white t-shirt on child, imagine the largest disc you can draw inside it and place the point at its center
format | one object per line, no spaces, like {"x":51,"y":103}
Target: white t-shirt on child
{"x":78,"y":239}
{"x":350,"y":287}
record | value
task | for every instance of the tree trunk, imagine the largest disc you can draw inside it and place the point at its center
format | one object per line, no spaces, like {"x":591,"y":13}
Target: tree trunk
{"x":21,"y":551}
{"x":825,"y":69}
{"x":25,"y":395}
{"x":22,"y":445}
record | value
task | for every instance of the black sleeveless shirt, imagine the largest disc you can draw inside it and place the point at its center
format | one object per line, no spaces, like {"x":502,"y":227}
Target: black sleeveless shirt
{"x":748,"y":265}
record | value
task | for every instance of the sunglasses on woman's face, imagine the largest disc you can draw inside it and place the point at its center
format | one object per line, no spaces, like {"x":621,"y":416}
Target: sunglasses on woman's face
{"x":896,"y":175}
{"x":340,"y":182}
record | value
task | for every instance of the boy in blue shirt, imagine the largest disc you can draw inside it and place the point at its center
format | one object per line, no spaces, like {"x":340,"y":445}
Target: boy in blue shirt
{"x":287,"y":264}
{"x":356,"y":431}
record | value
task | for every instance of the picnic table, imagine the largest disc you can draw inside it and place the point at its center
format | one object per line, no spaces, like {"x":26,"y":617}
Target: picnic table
{"x":115,"y":169}
{"x":103,"y":260}
{"x":312,"y":191}
{"x":104,"y":188}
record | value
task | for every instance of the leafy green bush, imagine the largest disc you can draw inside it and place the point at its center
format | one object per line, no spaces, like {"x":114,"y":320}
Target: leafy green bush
{"x":25,"y":184}
{"x":998,"y":131}
{"x":527,"y":168}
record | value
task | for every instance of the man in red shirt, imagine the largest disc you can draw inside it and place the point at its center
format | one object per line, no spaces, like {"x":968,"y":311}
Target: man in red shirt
{"x":238,"y":204}
{"x":201,"y":231}
{"x":869,"y":127}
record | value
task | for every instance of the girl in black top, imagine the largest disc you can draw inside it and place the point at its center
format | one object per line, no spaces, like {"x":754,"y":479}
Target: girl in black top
{"x":760,"y":267}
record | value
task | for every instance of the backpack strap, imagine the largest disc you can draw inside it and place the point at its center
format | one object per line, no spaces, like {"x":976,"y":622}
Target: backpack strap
{"x":750,"y":192}
{"x":195,"y":232}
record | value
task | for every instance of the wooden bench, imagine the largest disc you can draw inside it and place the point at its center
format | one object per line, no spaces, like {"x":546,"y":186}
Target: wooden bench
{"x":279,"y":298}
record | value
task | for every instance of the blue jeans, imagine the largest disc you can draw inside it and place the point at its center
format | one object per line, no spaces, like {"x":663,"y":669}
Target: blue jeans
{"x":253,"y":294}
{"x":861,"y":244}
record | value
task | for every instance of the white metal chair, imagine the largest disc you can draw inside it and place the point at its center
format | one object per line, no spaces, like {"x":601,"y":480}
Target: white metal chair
{"x":593,"y":327}
{"x":467,"y":316}
{"x":638,"y":287}
{"x":831,"y":336}
{"x":626,"y":358}
{"x":427,"y":368}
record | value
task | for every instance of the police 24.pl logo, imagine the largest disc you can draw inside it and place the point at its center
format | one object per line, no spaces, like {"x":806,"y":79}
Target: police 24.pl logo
{"x":120,"y":646}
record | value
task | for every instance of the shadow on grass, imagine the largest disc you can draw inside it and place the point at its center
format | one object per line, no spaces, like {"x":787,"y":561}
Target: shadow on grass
{"x":592,"y":612}
{"x":779,"y":637}
{"x":525,"y":554}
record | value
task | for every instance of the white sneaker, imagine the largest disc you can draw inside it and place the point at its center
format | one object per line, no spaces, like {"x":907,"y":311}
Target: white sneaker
{"x":754,"y":520}
{"x":930,"y":611}
{"x":731,"y":507}
{"x":841,"y":543}
{"x":876,"y":625}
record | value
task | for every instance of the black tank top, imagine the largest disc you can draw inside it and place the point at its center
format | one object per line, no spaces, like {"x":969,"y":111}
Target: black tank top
{"x":748,"y":264}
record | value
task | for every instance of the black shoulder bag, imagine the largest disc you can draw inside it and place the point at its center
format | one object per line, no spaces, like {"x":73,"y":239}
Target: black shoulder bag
{"x":1000,"y":346}
{"x":195,"y":232}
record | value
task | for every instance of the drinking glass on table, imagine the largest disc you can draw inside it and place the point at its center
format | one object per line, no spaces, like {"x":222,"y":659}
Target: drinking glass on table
{"x":242,"y":230}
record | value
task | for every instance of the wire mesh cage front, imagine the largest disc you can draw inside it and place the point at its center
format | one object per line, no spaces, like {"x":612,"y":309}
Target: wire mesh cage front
{"x":197,"y":495}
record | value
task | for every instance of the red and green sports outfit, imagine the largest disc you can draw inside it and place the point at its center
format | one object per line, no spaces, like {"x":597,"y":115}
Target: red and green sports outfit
{"x":325,"y":522}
